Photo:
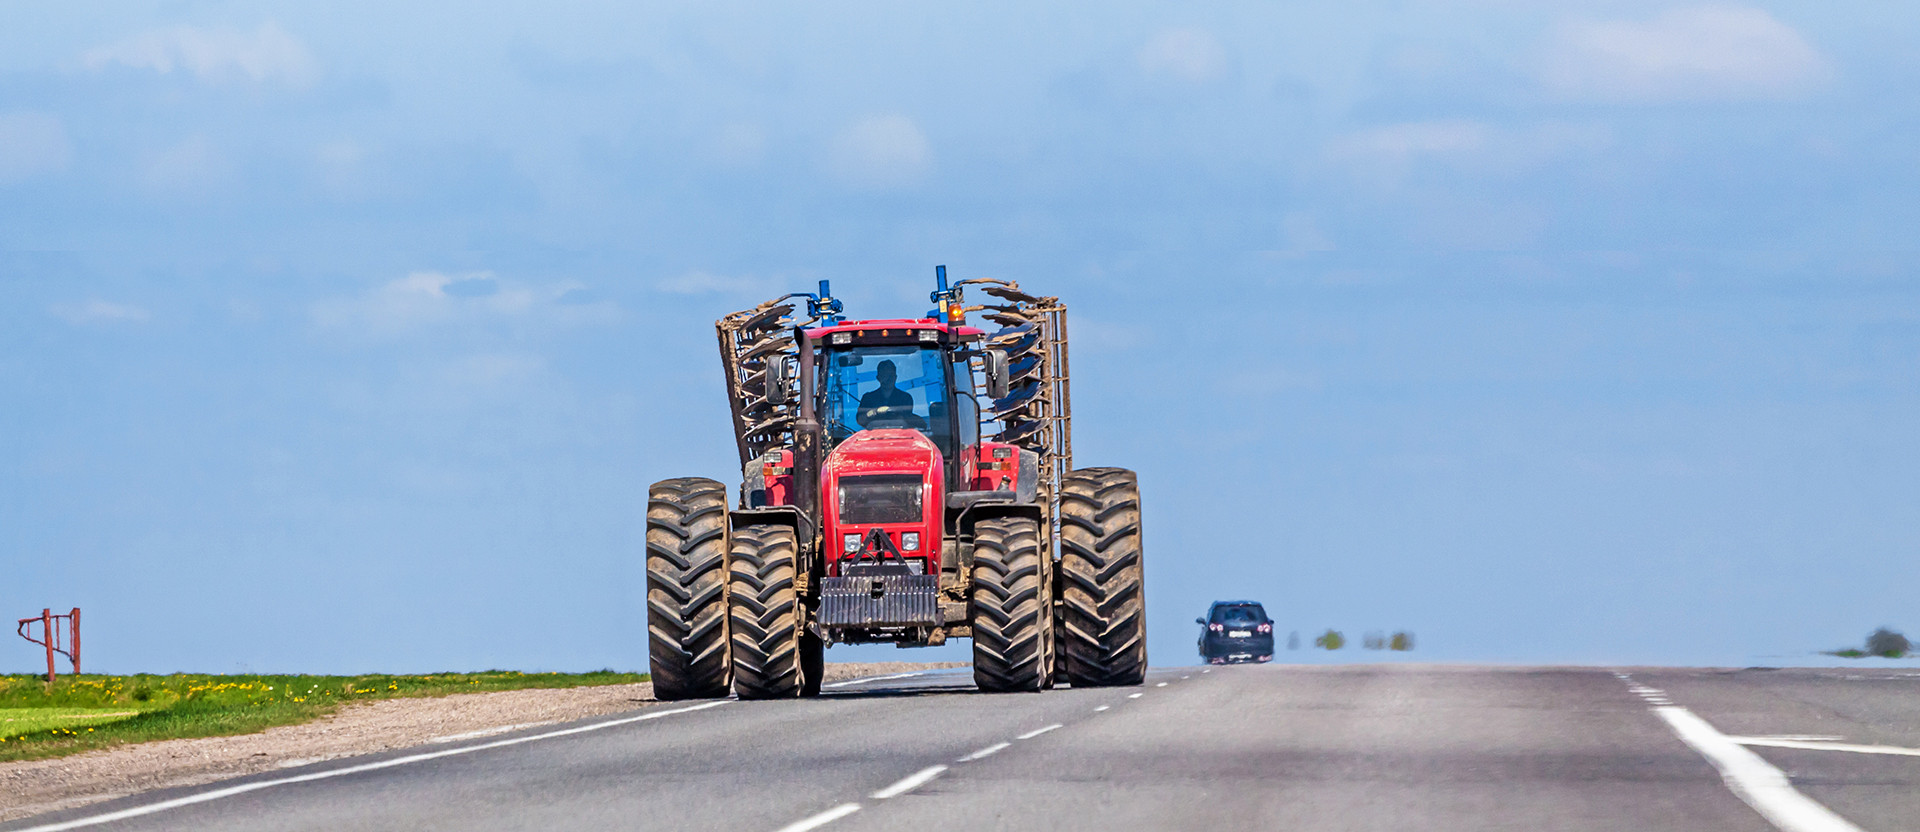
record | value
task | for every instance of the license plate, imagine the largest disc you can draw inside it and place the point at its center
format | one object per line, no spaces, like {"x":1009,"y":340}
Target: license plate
{"x":1240,"y":634}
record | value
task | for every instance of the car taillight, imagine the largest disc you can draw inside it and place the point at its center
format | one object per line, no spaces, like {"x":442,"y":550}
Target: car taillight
{"x":1215,"y":627}
{"x":1264,"y":628}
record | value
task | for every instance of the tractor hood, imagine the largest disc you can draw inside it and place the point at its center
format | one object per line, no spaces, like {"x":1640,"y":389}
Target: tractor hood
{"x":886,"y":451}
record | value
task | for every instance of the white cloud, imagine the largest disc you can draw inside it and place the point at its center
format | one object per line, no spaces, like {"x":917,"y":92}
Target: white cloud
{"x":495,"y":370}
{"x":738,"y":145}
{"x":1389,"y":152}
{"x":96,"y":311}
{"x":1300,"y":232}
{"x":192,"y":166}
{"x":32,"y":144}
{"x":218,"y":53}
{"x":423,"y":300}
{"x":1400,"y":143}
{"x":881,"y":151}
{"x":1193,"y":56}
{"x":1706,"y":52}
{"x":707,"y":283}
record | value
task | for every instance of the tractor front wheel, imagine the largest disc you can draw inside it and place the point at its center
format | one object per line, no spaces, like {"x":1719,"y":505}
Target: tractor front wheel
{"x":771,"y":649}
{"x":1103,"y":615}
{"x":1011,"y":611}
{"x":686,"y":584}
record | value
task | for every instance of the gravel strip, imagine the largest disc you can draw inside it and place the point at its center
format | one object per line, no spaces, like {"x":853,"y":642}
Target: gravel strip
{"x":32,"y":787}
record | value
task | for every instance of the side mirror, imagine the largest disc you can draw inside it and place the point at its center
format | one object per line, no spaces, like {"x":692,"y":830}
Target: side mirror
{"x":1200,"y":621}
{"x":997,"y":383}
{"x":778,"y":376}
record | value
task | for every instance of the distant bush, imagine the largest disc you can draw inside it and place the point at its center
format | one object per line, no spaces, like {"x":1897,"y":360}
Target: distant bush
{"x":1400,"y":641}
{"x":1374,"y":641}
{"x":1887,"y":643}
{"x":1330,"y":640}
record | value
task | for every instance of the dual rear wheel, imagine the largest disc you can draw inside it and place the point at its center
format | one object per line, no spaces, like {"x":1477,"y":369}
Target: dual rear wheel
{"x":1096,"y":635}
{"x":722,"y":611}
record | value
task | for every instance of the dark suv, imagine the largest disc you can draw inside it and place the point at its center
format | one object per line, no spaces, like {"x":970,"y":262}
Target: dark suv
{"x":1236,"y":631}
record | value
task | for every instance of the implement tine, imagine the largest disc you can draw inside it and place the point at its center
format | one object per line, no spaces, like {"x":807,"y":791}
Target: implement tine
{"x":765,"y":316}
{"x":1011,"y":293}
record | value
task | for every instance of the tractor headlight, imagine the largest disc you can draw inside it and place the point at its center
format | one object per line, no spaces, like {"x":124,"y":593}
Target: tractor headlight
{"x":852,"y":542}
{"x":910,"y":541}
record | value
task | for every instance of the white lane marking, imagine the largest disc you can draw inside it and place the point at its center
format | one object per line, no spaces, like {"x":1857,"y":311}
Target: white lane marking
{"x":1822,"y":745}
{"x":1161,"y":685}
{"x":850,"y":682}
{"x":1037,"y":732}
{"x":488,"y":732}
{"x":910,"y":782}
{"x":1135,"y":695}
{"x":243,"y":788}
{"x":984,"y":752}
{"x":1208,"y":670}
{"x":1101,"y":708}
{"x":1186,"y":677}
{"x":822,"y":819}
{"x":1800,"y":737}
{"x":1753,"y":779}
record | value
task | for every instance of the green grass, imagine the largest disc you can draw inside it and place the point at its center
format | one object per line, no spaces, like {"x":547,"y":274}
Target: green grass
{"x":83,"y":713}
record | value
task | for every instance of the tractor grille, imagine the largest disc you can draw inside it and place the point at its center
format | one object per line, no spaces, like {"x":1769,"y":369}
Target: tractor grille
{"x":880,"y":601}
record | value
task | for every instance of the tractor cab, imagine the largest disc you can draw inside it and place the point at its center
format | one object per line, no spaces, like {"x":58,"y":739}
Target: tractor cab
{"x":899,"y":374}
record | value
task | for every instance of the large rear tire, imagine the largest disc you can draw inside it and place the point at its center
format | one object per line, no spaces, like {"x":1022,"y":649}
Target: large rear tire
{"x":686,"y":588}
{"x":770,"y":657}
{"x":1104,"y":642}
{"x":1011,"y":614}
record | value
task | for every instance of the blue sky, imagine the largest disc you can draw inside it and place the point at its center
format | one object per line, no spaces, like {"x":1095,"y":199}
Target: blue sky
{"x":349,"y":337}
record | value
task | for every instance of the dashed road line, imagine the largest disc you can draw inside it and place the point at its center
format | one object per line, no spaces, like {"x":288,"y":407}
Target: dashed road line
{"x":1101,"y":708}
{"x":910,"y":782}
{"x":1135,"y":695}
{"x":822,"y":819}
{"x":243,"y":788}
{"x":1161,"y":685}
{"x":1037,"y":732}
{"x":984,"y":752}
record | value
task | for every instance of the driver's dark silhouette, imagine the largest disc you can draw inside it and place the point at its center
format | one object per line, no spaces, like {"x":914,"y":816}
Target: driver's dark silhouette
{"x":887,"y":404}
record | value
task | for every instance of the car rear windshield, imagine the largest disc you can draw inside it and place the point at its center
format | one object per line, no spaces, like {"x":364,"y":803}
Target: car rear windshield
{"x":1239,"y":614}
{"x":880,"y":498}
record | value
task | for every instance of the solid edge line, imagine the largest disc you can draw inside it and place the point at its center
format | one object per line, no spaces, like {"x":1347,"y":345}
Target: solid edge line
{"x":1037,"y":732}
{"x":984,"y":752}
{"x":865,"y":679}
{"x":1821,"y":745}
{"x":488,"y":732}
{"x":230,"y":791}
{"x":1753,"y":779}
{"x":910,"y":782}
{"x":821,"y":819}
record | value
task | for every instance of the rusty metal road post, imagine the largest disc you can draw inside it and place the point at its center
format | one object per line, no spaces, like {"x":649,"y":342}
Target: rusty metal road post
{"x":50,"y":637}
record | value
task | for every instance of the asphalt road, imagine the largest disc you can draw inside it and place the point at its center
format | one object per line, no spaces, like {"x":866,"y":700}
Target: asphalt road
{"x":1238,"y":748}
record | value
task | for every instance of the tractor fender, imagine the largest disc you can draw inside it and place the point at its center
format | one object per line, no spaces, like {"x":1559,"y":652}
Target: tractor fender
{"x":803,"y":533}
{"x":773,"y":516}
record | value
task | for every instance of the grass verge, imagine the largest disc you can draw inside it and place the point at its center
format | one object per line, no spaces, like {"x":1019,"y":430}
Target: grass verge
{"x":83,"y":713}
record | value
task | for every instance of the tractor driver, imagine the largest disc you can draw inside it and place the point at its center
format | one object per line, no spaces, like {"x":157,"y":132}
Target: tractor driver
{"x":888,"y":406}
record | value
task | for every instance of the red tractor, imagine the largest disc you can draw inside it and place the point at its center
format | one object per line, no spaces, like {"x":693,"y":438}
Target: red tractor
{"x":882,"y":502}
